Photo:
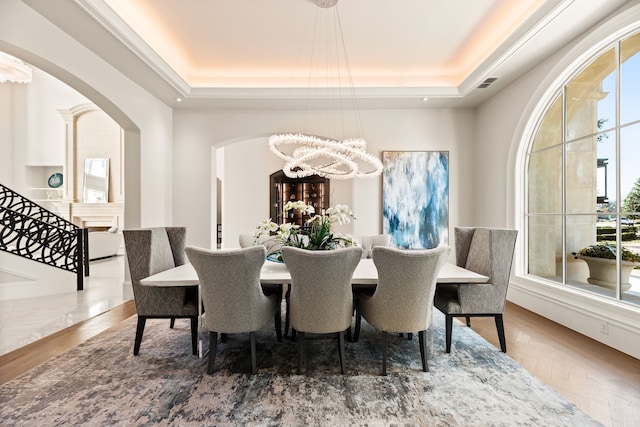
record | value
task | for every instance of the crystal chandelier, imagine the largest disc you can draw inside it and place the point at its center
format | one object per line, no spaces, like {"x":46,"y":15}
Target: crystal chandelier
{"x":13,"y":70}
{"x":332,"y":158}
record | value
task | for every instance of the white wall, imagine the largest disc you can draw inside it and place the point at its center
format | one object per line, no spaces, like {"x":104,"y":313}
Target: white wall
{"x":248,"y":164}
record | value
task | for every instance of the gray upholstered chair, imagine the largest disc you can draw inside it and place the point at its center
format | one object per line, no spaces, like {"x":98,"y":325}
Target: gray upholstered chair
{"x":232,"y":296}
{"x":321,"y":297}
{"x":369,"y":242}
{"x":150,"y":251}
{"x":488,"y":251}
{"x":403,"y":299}
{"x":248,"y":240}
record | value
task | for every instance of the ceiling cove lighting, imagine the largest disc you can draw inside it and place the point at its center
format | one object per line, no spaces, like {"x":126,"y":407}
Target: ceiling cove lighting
{"x":332,"y":158}
{"x":13,"y":70}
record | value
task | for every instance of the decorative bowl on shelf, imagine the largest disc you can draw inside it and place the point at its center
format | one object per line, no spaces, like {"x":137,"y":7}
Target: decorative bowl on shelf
{"x":55,"y":180}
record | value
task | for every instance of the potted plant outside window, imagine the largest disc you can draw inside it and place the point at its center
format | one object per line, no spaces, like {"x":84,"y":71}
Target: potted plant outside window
{"x":601,"y":260}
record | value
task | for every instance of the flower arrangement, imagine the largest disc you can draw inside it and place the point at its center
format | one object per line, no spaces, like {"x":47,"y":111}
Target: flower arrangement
{"x":316,"y":234}
{"x":607,"y":252}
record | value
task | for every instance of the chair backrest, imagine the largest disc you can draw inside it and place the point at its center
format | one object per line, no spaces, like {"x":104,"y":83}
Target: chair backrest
{"x":246,"y":240}
{"x":230,"y":288}
{"x":406,"y":286}
{"x":488,"y":251}
{"x":370,"y":242}
{"x":321,"y":297}
{"x":152,"y":250}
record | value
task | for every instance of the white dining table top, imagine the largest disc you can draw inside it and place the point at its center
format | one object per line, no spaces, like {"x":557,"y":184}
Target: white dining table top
{"x":273,"y":272}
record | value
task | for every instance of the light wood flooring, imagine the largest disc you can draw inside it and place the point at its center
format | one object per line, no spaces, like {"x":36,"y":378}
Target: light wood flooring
{"x":603,"y":382}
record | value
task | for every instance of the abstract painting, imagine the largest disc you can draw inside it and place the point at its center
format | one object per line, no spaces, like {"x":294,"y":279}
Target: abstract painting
{"x":415,"y":198}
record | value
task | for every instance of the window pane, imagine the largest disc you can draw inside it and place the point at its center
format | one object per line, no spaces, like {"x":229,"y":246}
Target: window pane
{"x":545,"y":246}
{"x":550,"y":131}
{"x":630,"y":80}
{"x":581,"y":157}
{"x":591,"y":98}
{"x":545,"y":181}
{"x":630,"y":169}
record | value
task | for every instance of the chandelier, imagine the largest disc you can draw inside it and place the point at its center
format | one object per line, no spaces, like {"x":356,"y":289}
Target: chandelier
{"x":332,"y":158}
{"x":13,"y":70}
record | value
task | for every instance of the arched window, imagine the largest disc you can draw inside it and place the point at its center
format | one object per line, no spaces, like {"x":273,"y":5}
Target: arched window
{"x":583,"y":171}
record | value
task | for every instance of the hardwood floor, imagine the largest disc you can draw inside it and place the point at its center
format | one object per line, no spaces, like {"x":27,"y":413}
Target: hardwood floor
{"x":603,"y":382}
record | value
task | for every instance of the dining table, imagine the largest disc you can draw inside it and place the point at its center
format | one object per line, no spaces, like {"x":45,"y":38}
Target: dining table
{"x":277,"y":273}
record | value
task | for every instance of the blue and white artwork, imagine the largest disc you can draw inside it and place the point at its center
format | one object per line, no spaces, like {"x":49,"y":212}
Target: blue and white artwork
{"x":415,"y":198}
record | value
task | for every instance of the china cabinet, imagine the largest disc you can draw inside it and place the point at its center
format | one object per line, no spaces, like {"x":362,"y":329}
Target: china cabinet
{"x":313,"y":190}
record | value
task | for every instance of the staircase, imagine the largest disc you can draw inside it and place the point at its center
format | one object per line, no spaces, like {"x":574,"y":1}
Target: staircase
{"x":31,"y":232}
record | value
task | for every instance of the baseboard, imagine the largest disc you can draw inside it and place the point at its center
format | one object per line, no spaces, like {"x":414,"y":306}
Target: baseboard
{"x":611,"y":322}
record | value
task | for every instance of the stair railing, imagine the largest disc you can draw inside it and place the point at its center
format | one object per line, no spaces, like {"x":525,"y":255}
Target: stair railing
{"x":34,"y":232}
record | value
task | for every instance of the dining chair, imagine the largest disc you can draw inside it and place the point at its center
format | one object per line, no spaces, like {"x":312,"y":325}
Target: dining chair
{"x":488,"y":251}
{"x":369,"y":242}
{"x":247,"y":241}
{"x":150,"y":251}
{"x":232,"y":295}
{"x":321,"y":296}
{"x":403,"y":299}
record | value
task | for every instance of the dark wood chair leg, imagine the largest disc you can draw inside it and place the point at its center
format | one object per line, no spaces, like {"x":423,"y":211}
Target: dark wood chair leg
{"x":410,"y":336}
{"x":341,"y":351}
{"x":213,"y":343}
{"x":194,"y":335}
{"x":468,"y":321}
{"x":139,"y":331}
{"x":384,"y":353}
{"x":287,"y":298}
{"x":300,"y":340}
{"x":254,"y":363}
{"x":277,"y":320}
{"x":501,"y":337}
{"x":356,"y":329}
{"x":448,"y":327}
{"x":172,"y":323}
{"x":423,"y":350}
{"x":293,"y":334}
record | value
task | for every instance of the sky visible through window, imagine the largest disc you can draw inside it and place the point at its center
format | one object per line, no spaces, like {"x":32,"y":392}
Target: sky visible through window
{"x":630,"y":107}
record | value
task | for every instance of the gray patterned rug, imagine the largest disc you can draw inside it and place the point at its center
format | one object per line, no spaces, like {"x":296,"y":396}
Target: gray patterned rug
{"x":100,"y":383}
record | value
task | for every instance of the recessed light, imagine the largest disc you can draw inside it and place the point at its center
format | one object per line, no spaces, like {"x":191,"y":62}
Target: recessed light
{"x":425,"y":99}
{"x":179,"y":99}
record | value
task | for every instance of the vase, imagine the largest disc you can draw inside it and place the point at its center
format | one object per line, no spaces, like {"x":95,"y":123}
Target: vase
{"x":603,"y":272}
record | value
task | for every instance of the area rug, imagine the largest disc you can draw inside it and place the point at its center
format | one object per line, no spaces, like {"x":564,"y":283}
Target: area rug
{"x":100,"y":383}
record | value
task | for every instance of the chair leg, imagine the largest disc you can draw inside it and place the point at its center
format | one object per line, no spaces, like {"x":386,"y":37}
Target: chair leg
{"x":139,"y":331}
{"x":341,"y":350}
{"x":213,"y":343}
{"x":384,"y":353}
{"x":172,"y":323}
{"x":423,"y":350}
{"x":448,"y":327}
{"x":254,"y":363}
{"x":501,"y":337}
{"x":287,"y":299}
{"x":194,"y":335}
{"x":468,"y":321}
{"x":300,"y":340}
{"x":356,"y":331}
{"x":277,"y":319}
{"x":410,"y":336}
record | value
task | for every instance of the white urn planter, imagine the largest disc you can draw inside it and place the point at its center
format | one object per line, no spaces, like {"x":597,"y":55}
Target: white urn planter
{"x":603,"y":272}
